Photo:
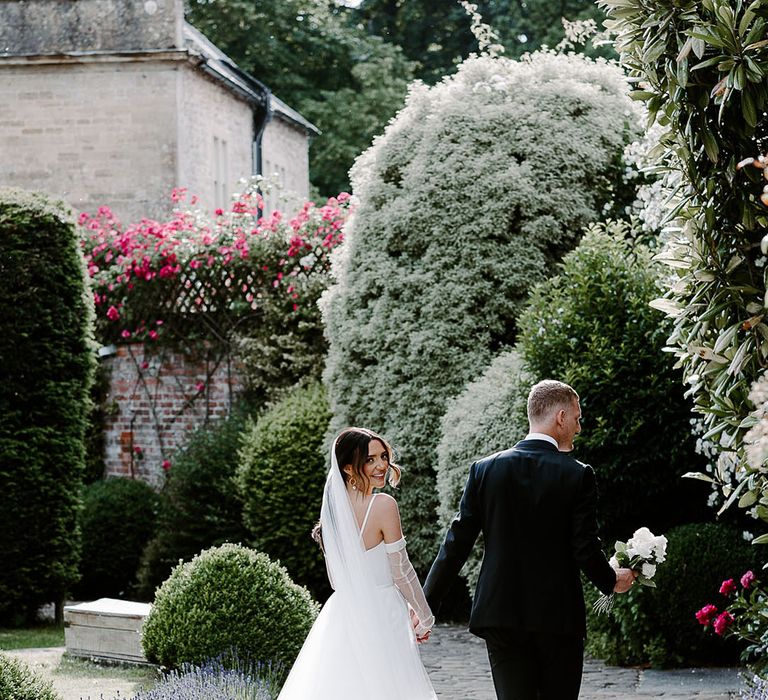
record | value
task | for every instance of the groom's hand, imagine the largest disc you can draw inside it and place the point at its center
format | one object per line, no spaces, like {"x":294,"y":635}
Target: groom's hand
{"x":624,"y":580}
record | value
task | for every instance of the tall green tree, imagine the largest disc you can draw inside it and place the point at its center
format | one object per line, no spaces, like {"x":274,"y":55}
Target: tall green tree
{"x":312,"y":55}
{"x":436,"y":33}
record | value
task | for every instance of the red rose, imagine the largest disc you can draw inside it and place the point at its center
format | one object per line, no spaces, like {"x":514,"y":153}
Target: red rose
{"x":722,"y":622}
{"x":747,"y":579}
{"x":166,"y":465}
{"x":728,"y":586}
{"x":705,"y":615}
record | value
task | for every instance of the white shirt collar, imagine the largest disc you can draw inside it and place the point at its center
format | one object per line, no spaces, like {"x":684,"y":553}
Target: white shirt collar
{"x":542,"y":436}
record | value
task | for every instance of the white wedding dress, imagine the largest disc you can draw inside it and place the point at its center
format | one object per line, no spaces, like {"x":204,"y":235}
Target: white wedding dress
{"x":362,"y":646}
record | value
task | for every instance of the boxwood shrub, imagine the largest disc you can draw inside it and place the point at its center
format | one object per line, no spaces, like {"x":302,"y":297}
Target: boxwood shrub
{"x":461,"y":206}
{"x":19,"y":682}
{"x":283,"y":465}
{"x":109,"y":563}
{"x":488,"y":416}
{"x":228,"y":599}
{"x":48,"y":357}
{"x":592,"y":326}
{"x":199,"y":503}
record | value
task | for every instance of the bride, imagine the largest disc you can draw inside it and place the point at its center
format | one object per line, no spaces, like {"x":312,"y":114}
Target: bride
{"x":363,"y":645}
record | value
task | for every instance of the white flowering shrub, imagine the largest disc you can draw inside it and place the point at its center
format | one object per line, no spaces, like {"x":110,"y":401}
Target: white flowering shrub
{"x":472,"y":194}
{"x":488,"y":416}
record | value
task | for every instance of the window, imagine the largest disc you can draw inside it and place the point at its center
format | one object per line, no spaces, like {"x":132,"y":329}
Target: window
{"x":220,"y":173}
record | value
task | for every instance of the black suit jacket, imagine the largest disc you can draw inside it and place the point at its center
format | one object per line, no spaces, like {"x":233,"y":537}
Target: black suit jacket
{"x":536,"y":509}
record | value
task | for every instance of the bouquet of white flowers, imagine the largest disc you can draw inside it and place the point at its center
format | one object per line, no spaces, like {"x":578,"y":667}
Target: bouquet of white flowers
{"x":642,"y":553}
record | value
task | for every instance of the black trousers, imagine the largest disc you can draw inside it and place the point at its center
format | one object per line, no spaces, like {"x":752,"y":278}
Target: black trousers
{"x":535,"y":666}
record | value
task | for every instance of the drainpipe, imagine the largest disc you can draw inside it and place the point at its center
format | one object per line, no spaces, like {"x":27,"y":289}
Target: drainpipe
{"x":261,"y":117}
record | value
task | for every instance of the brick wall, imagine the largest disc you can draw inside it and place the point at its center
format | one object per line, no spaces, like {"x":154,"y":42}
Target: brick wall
{"x":155,"y":402}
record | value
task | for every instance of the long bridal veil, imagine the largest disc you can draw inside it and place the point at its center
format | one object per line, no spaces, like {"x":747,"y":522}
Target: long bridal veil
{"x":356,"y":620}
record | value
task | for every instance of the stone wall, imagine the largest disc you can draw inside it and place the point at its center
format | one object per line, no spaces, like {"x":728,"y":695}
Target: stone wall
{"x":94,"y":133}
{"x":155,"y":401}
{"x":215,"y":139}
{"x":285,"y":157}
{"x":61,"y":26}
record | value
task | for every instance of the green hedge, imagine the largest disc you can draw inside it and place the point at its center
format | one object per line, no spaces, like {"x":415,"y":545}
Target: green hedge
{"x":228,"y":599}
{"x":19,"y":682}
{"x":658,"y":626}
{"x":591,"y":326}
{"x":488,"y":416}
{"x":199,"y":504}
{"x":283,"y":465}
{"x":119,"y":518}
{"x":461,"y":205}
{"x":48,"y":356}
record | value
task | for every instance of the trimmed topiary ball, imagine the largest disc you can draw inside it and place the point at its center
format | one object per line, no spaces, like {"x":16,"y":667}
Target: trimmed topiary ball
{"x":109,"y":562}
{"x":488,"y":416}
{"x":199,"y":503}
{"x":19,"y":682}
{"x":658,"y":626}
{"x":464,"y":203}
{"x":283,"y":465}
{"x":228,"y":599}
{"x":592,"y":327}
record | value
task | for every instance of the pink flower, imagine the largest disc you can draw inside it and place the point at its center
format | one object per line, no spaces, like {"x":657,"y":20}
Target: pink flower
{"x":137,"y":450}
{"x":705,"y":615}
{"x":199,"y":386}
{"x":728,"y":586}
{"x":219,"y":212}
{"x":112,"y":313}
{"x":166,"y":465}
{"x":145,"y":364}
{"x":747,"y":579}
{"x":153,"y":335}
{"x":722,"y":622}
{"x":126,"y":333}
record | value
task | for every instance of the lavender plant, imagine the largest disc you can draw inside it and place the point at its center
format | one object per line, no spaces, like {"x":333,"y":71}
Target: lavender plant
{"x":757,"y":689}
{"x":222,"y":678}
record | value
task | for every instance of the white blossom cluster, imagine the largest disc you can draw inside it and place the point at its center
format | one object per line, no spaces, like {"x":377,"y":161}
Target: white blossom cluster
{"x":756,"y":439}
{"x":472,"y":195}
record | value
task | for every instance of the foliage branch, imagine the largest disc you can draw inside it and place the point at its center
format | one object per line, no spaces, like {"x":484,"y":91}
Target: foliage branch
{"x":701,"y":69}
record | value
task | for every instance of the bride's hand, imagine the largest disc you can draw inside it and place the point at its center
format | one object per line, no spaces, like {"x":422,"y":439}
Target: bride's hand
{"x":415,"y":624}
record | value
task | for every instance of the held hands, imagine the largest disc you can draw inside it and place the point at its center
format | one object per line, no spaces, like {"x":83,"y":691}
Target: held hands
{"x":624,"y":580}
{"x":421,"y":637}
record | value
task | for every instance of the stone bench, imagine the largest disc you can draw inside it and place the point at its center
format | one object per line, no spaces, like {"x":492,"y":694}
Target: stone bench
{"x":106,"y":629}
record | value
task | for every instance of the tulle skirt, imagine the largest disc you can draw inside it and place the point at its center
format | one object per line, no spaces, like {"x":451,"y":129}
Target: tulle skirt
{"x":342,"y":660}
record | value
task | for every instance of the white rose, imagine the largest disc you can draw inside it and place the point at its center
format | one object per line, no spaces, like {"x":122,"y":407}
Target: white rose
{"x":614,"y":562}
{"x":660,"y":548}
{"x":649,"y":570}
{"x":641,"y":543}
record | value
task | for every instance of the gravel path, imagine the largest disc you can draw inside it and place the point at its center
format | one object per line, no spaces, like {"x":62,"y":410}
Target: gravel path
{"x":457,"y":664}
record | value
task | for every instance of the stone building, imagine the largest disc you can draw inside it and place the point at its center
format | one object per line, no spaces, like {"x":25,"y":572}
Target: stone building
{"x":117,"y":102}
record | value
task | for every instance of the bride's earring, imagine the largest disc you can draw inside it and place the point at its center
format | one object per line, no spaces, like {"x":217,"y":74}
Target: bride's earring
{"x":353,"y":483}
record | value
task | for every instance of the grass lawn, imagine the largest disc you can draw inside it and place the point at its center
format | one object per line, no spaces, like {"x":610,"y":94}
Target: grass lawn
{"x":74,"y":667}
{"x":39,"y":636}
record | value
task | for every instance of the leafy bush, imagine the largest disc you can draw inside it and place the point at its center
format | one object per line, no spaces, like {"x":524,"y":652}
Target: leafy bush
{"x":459,"y":208}
{"x":228,"y":598}
{"x":199,"y":505}
{"x":109,"y":563}
{"x":591,"y":326}
{"x":658,"y":625}
{"x":218,"y":679}
{"x":281,"y":475}
{"x":703,"y":71}
{"x":18,"y":682}
{"x":488,"y":416}
{"x":46,"y":313}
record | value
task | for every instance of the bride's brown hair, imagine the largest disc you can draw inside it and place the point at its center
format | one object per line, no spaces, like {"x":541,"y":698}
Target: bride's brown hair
{"x":352,"y":450}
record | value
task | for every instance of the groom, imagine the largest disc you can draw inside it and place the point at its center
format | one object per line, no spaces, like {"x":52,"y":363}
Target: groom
{"x":536,"y":508}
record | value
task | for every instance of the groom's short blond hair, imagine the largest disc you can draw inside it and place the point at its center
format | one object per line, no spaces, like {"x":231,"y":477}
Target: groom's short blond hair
{"x":548,"y":396}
